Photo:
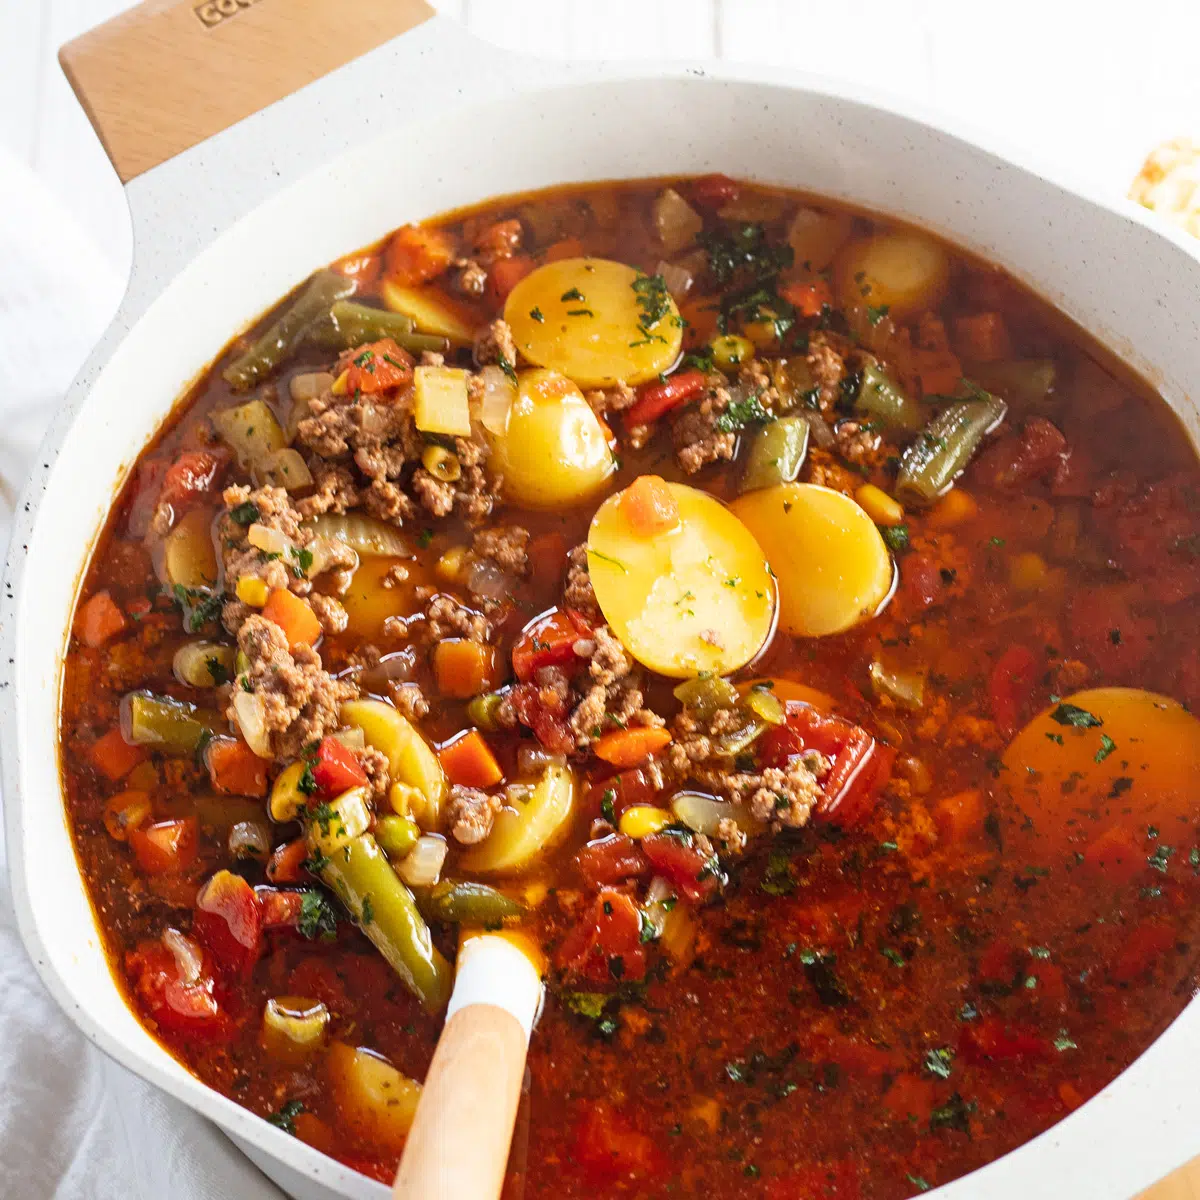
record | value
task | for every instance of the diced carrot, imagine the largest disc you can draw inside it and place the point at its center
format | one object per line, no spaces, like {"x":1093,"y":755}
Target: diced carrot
{"x":649,"y":507}
{"x":126,"y":811}
{"x":235,"y":769}
{"x":700,"y":320}
{"x":416,"y":253}
{"x":569,"y":247}
{"x":469,"y":761}
{"x":166,"y":846}
{"x":631,"y":747}
{"x":982,"y":337}
{"x":98,"y":620}
{"x":294,"y":616}
{"x":939,"y":371}
{"x":808,"y":296}
{"x":378,"y":367}
{"x":505,"y":273}
{"x":114,"y":757}
{"x":548,"y":641}
{"x":463,"y":668}
{"x":659,"y":398}
{"x":959,"y":818}
{"x":286,"y":864}
{"x":363,"y":268}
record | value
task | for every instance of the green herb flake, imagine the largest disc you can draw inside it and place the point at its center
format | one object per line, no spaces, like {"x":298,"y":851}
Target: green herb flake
{"x":245,"y":513}
{"x":895,"y":537}
{"x":217,"y":670}
{"x":535,"y":314}
{"x":1107,"y":746}
{"x":778,"y":878}
{"x":741,"y":413}
{"x":939,"y":1062}
{"x":424,"y":538}
{"x":318,"y":917}
{"x":368,"y":911}
{"x":1074,"y":716}
{"x":1160,"y":859}
{"x":894,"y":956}
{"x":607,"y":558}
{"x":1064,"y":1042}
{"x":917,"y":1182}
{"x":285,"y":1118}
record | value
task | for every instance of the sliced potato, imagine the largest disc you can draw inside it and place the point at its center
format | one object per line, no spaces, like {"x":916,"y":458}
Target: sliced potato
{"x":252,"y":430}
{"x":410,"y":758}
{"x":904,"y":270}
{"x":188,"y":555}
{"x":375,"y":1103}
{"x":1150,"y":740}
{"x":697,"y":598}
{"x":440,"y":401}
{"x":832,"y":566}
{"x":587,"y":317}
{"x":431,"y":311}
{"x":815,"y":237}
{"x":524,"y":830}
{"x":554,"y":451}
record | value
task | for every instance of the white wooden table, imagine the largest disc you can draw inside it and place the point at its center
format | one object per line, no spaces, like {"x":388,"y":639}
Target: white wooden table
{"x":1090,"y":82}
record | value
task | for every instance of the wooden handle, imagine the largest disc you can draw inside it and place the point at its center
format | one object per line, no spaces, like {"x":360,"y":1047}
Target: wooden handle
{"x":1181,"y":1184}
{"x":167,"y":74}
{"x":458,"y":1146}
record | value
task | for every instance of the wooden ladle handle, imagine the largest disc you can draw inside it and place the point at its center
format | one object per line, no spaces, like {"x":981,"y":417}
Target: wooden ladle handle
{"x":458,"y":1146}
{"x":1182,"y":1184}
{"x":163,"y":76}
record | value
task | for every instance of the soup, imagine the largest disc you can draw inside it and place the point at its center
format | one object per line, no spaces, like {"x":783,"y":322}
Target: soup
{"x":778,"y":616}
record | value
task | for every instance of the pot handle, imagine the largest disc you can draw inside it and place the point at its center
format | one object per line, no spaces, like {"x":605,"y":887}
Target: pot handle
{"x":168,"y":74}
{"x":1181,"y":1184}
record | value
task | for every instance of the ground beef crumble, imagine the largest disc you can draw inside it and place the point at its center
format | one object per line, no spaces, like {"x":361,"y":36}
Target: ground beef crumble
{"x":578,"y":593}
{"x":494,"y":345}
{"x":471,"y":813}
{"x":506,"y":546}
{"x":695,"y":435}
{"x":446,"y":617}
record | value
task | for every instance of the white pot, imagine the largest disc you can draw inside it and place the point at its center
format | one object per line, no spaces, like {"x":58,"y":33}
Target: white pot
{"x":224,"y":229}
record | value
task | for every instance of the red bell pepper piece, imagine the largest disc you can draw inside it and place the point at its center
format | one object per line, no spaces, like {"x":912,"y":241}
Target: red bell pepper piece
{"x":1010,"y":685}
{"x":337,"y":769}
{"x":229,"y":920}
{"x":675,"y":856}
{"x":193,"y":474}
{"x":605,"y":946}
{"x":656,"y":399}
{"x":378,"y":367}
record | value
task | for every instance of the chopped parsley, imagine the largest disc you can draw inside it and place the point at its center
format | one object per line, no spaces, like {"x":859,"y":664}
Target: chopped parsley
{"x":744,"y":253}
{"x":200,"y":606}
{"x":573,"y":294}
{"x":304,"y":561}
{"x":285,"y":1118}
{"x":876,"y":313}
{"x":535,"y":314}
{"x":578,"y":312}
{"x":778,"y":879}
{"x":895,"y":537}
{"x":217,"y":670}
{"x":424,"y":538}
{"x":894,"y":957}
{"x":607,"y":811}
{"x":954,"y":1114}
{"x":318,"y":917}
{"x":655,"y":302}
{"x":1160,"y":859}
{"x":245,"y":513}
{"x":1107,"y":746}
{"x":939,"y":1062}
{"x":741,"y":413}
{"x":368,"y":911}
{"x":307,"y":783}
{"x":1063,"y":1042}
{"x":1076,"y":717}
{"x":616,"y":562}
{"x":508,"y":369}
{"x":917,"y":1182}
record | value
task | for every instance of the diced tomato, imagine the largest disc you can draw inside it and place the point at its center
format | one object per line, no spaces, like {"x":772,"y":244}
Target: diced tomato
{"x":114,"y":757}
{"x":505,"y":274}
{"x":178,"y":1000}
{"x":498,"y":240}
{"x":1145,"y":945}
{"x":548,"y":641}
{"x":1105,"y":630}
{"x":711,"y":192}
{"x":627,"y":787}
{"x":1115,"y":855}
{"x":544,"y":711}
{"x":192,"y":475}
{"x":657,"y":399}
{"x":992,"y":1039}
{"x":1015,"y":461}
{"x":228,"y":919}
{"x":1010,"y":686}
{"x":674,"y":855}
{"x":378,"y":367}
{"x":337,"y":768}
{"x":808,"y":297}
{"x":99,"y":620}
{"x":605,"y":945}
{"x":235,"y":769}
{"x":920,"y":582}
{"x":610,"y":859}
{"x":166,"y":846}
{"x":609,"y":1149}
{"x":316,"y":978}
{"x":417,"y":253}
{"x":281,"y":908}
{"x":286,"y":864}
{"x":837,"y":1181}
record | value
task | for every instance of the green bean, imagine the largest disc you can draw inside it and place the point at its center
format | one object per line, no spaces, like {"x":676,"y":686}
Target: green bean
{"x":386,"y":912}
{"x":1030,"y":380}
{"x":776,"y":454}
{"x":172,"y":726}
{"x":483,"y":711}
{"x":465,"y":903}
{"x":882,"y":399}
{"x":396,"y":835}
{"x":941,"y":451}
{"x":351,"y":325}
{"x":268,"y":353}
{"x":706,"y":694}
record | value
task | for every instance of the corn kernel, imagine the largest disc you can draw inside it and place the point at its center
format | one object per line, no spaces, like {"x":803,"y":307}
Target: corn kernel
{"x":405,"y":799}
{"x":252,"y":591}
{"x":441,"y":463}
{"x":762,"y":333}
{"x":339,"y":387}
{"x":452,"y":566}
{"x":644,"y":819}
{"x":1027,"y":572}
{"x":287,"y":800}
{"x":878,"y":505}
{"x":955,"y":507}
{"x":535,"y":893}
{"x":731,"y":350}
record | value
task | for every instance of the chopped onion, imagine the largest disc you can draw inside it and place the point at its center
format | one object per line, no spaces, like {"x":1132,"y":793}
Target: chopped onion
{"x":249,"y":839}
{"x":678,"y":279}
{"x":365,"y":534}
{"x":656,"y":906}
{"x":496,"y":399}
{"x":486,"y":579}
{"x":399,"y":667}
{"x":533,"y":760}
{"x":188,"y":959}
{"x":309,"y":385}
{"x":269,"y":541}
{"x":422,"y":865}
{"x":252,"y":721}
{"x":702,"y":813}
{"x":821,"y":432}
{"x":325,"y":552}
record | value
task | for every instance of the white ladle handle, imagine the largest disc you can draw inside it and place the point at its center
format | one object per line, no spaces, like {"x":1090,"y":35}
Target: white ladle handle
{"x":458,"y":1146}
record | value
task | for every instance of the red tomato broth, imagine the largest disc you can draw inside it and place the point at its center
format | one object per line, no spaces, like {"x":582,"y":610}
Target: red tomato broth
{"x":900,"y":1001}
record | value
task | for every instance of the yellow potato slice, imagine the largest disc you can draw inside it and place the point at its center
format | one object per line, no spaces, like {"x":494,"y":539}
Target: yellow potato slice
{"x":699,"y":597}
{"x":587,"y":317}
{"x":554,"y":450}
{"x":523,"y":830}
{"x":189,"y":558}
{"x":431,"y":311}
{"x":832,"y":566}
{"x":904,"y":270}
{"x":374,"y":1101}
{"x":1148,"y":740}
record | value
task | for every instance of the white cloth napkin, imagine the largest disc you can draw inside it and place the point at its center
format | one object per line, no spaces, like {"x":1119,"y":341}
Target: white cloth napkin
{"x":73,"y":1124}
